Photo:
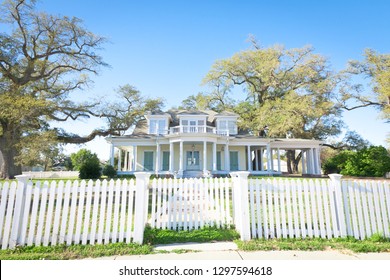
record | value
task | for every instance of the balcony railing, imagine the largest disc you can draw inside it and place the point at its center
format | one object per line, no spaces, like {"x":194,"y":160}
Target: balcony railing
{"x":197,"y":129}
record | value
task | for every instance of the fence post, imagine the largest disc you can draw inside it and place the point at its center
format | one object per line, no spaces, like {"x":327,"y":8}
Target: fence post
{"x":141,"y":205}
{"x":241,"y":203}
{"x":18,"y":210}
{"x":336,"y":181}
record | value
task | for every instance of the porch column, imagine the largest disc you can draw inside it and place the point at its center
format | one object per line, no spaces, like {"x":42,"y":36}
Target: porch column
{"x":125,"y":163}
{"x":214,"y":156}
{"x":112,"y":154}
{"x":257,"y":160}
{"x":262,"y":158}
{"x":227,"y":161}
{"x":279,"y":165}
{"x":272,"y":159}
{"x":319,"y":160}
{"x":311,"y":162}
{"x":135,"y":158}
{"x":171,"y":157}
{"x":181,"y":157}
{"x":269,"y":159}
{"x":120,"y":160}
{"x":204,"y":156}
{"x":303,"y":159}
{"x":158,"y":151}
{"x":249,"y":158}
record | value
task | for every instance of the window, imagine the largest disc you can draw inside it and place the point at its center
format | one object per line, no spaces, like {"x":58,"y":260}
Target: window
{"x":233,"y":160}
{"x":157,"y":126}
{"x":148,"y":161}
{"x":225,"y":125}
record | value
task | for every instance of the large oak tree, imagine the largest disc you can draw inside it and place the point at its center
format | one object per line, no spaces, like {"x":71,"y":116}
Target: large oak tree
{"x":43,"y":58}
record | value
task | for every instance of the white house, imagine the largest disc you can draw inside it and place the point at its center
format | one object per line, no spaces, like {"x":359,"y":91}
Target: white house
{"x":202,"y":143}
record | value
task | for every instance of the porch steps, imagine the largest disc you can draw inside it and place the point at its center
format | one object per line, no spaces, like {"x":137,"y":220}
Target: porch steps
{"x":193,"y":174}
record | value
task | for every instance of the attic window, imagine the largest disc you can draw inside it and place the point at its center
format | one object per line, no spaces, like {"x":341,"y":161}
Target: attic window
{"x":157,"y":126}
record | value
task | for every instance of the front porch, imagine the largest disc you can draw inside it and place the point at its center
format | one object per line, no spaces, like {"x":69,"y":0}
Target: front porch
{"x":211,"y":157}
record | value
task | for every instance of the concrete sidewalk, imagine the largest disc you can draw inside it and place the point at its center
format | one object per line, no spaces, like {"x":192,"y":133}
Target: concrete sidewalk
{"x":229,"y":251}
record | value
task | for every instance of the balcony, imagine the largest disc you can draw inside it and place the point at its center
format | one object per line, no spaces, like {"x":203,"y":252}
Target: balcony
{"x":197,"y":129}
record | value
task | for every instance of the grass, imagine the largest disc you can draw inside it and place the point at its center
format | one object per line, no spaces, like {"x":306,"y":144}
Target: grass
{"x":63,"y":252}
{"x":376,"y":244}
{"x":207,"y":234}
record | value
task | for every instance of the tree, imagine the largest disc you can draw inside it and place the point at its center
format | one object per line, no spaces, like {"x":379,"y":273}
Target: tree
{"x":287,"y":91}
{"x":42,"y":60}
{"x":373,"y":161}
{"x":81,"y":157}
{"x":375,"y":67}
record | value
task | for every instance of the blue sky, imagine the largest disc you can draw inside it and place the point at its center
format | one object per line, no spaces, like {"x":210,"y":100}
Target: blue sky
{"x":165,"y":48}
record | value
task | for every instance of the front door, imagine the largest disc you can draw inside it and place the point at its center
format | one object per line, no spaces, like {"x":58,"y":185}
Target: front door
{"x":192,"y":159}
{"x":148,"y":161}
{"x":233,"y":160}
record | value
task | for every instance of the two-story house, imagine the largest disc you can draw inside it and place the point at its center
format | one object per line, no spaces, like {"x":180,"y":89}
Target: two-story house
{"x":204,"y":143}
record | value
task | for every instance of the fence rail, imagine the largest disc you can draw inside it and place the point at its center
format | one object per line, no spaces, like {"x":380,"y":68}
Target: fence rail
{"x":82,"y":212}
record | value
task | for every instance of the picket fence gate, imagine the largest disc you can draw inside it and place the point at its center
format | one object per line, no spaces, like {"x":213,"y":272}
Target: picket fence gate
{"x":102,"y":212}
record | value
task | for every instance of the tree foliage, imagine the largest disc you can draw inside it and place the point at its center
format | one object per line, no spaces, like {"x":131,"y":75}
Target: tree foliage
{"x":42,"y":59}
{"x":376,"y":68}
{"x":81,"y":157}
{"x":373,"y":161}
{"x":289,"y":91}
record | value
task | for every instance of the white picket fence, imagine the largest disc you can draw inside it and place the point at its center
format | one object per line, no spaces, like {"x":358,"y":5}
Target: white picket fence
{"x":186,"y":204}
{"x":67,"y":213}
{"x":318,"y":208}
{"x":81,"y":212}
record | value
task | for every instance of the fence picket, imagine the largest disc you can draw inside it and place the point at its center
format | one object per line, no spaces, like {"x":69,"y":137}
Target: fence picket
{"x":3,"y":203}
{"x":107,"y":231}
{"x":344,"y":189}
{"x":87,"y":218}
{"x":252,"y":205}
{"x":325,"y":201}
{"x":164,"y":206}
{"x":222,"y":201}
{"x":301,"y":209}
{"x":383,"y":211}
{"x":313,"y":208}
{"x":170,"y":203}
{"x":308,"y":209}
{"x":260,"y":228}
{"x":387,"y":199}
{"x":271,"y":209}
{"x":290,"y":224}
{"x":49,"y":220}
{"x":358,"y":201}
{"x":95,"y":211}
{"x":196,"y":202}
{"x":265,"y":208}
{"x":333,"y":203}
{"x":102,"y":212}
{"x":64,"y":218}
{"x":72,"y":216}
{"x":377,"y":208}
{"x":282,"y":192}
{"x":117,"y":194}
{"x":34,"y":213}
{"x":366,"y":216}
{"x":80,"y":212}
{"x":123,"y":208}
{"x":26,"y":215}
{"x":277,"y":208}
{"x":8,"y":218}
{"x":295,"y":209}
{"x":130,"y":207}
{"x":320,"y":211}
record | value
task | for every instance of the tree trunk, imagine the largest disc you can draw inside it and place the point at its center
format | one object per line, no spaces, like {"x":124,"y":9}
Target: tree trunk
{"x":292,"y":161}
{"x":8,"y":152}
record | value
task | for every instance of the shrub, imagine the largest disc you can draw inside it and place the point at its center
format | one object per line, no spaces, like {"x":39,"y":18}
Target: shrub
{"x":373,"y":161}
{"x":109,"y":171}
{"x":83,"y":156}
{"x":90,"y":170}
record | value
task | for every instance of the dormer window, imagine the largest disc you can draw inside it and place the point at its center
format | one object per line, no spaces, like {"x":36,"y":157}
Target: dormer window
{"x":157,"y":126}
{"x":229,"y":126}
